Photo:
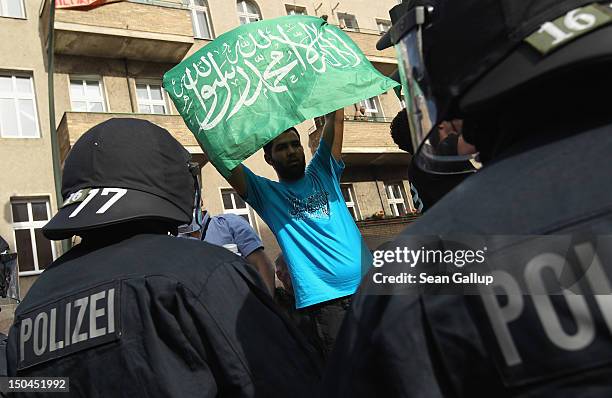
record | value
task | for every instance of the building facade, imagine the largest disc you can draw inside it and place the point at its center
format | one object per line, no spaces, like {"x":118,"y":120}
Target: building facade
{"x":109,"y":62}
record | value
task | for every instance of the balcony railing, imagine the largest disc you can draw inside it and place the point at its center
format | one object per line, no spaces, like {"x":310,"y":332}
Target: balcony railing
{"x":366,"y":39}
{"x":365,"y":118}
{"x":161,"y":3}
{"x":367,"y":141}
{"x":360,"y":30}
{"x":376,"y":232}
{"x":74,"y":124}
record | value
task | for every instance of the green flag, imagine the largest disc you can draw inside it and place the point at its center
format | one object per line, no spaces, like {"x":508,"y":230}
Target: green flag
{"x":254,"y":82}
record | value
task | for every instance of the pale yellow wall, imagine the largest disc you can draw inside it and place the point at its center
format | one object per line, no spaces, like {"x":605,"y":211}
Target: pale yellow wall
{"x":366,"y":11}
{"x":112,"y":73}
{"x":118,"y":77}
{"x":390,"y":104}
{"x":368,"y":198}
{"x":133,"y":16}
{"x":25,"y":164}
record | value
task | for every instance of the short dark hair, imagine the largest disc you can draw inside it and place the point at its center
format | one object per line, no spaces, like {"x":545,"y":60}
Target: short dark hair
{"x":400,"y":131}
{"x":268,"y":147}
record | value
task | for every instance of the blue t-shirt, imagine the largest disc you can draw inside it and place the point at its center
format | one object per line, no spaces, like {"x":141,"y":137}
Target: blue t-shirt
{"x":322,"y":246}
{"x":231,"y":228}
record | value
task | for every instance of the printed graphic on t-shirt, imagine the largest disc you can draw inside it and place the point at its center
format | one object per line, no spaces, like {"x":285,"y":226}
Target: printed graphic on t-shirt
{"x":314,"y":206}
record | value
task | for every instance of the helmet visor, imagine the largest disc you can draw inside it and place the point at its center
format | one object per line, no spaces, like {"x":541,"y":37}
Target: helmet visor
{"x":197,"y":214}
{"x":435,"y":152}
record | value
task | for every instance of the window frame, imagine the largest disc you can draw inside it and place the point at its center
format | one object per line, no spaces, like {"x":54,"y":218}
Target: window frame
{"x":245,"y":13}
{"x":292,"y":9}
{"x":239,"y":212}
{"x":151,"y":102}
{"x":353,"y":203}
{"x":84,"y":79}
{"x":194,"y":8}
{"x":32,"y":226}
{"x":342,"y":21}
{"x":383,"y":22}
{"x":3,"y":8}
{"x":377,"y":110}
{"x":393,"y":201}
{"x":16,"y":97}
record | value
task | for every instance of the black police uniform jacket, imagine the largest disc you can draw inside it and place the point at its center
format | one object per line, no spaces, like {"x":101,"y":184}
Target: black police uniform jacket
{"x":158,"y":316}
{"x":523,"y":345}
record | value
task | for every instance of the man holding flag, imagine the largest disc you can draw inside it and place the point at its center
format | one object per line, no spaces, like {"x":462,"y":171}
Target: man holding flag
{"x":306,"y":211}
{"x":237,"y":94}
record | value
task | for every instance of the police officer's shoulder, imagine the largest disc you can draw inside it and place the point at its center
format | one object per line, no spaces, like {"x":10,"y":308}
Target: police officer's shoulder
{"x":186,"y":261}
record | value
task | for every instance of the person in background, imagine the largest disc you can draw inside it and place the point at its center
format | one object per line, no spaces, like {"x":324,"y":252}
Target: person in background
{"x":235,"y":234}
{"x":427,"y":189}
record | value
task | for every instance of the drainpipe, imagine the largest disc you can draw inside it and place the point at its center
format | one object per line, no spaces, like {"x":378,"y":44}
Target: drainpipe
{"x":131,"y":93}
{"x":55,"y":153}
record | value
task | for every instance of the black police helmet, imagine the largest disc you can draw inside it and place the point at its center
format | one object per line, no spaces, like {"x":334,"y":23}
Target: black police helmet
{"x":479,"y":51}
{"x":123,"y":170}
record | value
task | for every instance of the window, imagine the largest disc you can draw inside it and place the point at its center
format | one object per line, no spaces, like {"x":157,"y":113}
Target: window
{"x":248,"y":12}
{"x":87,"y":95}
{"x":233,"y":203}
{"x":17,"y":107}
{"x":383,"y":25}
{"x":349,"y":199}
{"x":295,"y":10}
{"x":200,"y":19}
{"x":34,"y":251}
{"x":396,"y":199}
{"x":151,"y":98}
{"x":371,"y":105}
{"x":11,"y":8}
{"x":348,"y":21}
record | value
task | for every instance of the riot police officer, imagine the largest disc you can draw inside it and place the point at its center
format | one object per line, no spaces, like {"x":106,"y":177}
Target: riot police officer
{"x":531,"y":81}
{"x":132,"y":311}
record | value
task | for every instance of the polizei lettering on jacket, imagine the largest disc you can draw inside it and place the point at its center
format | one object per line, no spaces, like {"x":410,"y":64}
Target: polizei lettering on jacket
{"x":81,"y":321}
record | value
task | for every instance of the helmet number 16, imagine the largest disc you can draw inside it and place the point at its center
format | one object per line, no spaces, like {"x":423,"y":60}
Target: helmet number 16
{"x":575,"y":21}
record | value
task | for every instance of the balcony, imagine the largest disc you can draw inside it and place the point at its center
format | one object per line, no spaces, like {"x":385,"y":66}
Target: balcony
{"x":366,"y":40}
{"x":74,"y":124}
{"x":367,"y":141}
{"x":155,"y":30}
{"x":376,"y":232}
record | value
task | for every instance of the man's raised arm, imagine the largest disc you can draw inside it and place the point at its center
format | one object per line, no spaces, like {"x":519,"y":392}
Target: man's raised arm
{"x":333,"y":132}
{"x":238,"y":181}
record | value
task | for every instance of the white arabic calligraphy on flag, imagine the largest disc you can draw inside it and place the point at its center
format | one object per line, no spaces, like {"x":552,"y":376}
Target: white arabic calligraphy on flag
{"x":250,"y":84}
{"x":243,"y":70}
